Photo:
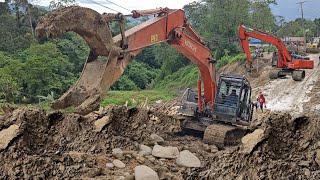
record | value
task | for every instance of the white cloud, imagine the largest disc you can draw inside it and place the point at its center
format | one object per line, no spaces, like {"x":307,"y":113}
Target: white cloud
{"x":129,"y":4}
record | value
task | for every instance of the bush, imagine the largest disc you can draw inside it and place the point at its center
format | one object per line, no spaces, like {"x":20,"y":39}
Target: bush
{"x":124,"y":84}
{"x":230,"y":59}
{"x":183,"y":78}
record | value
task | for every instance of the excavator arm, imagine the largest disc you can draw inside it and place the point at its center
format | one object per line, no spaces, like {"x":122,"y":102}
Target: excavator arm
{"x":168,"y":26}
{"x":285,"y":59}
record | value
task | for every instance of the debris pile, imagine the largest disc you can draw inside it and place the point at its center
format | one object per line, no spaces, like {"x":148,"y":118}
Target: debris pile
{"x":120,"y":142}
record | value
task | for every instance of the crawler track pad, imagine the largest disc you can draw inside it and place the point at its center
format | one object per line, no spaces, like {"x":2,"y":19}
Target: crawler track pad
{"x":223,"y":135}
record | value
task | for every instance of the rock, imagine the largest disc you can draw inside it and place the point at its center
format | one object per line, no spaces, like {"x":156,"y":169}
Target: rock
{"x":213,"y":149}
{"x":140,"y":159}
{"x":117,"y":152}
{"x":250,"y":141}
{"x":119,"y":164}
{"x":307,"y":172}
{"x":119,"y":178}
{"x":129,"y":177}
{"x":145,"y":150}
{"x":168,"y":152}
{"x":101,"y":123}
{"x":145,"y":173}
{"x":156,"y":138}
{"x":304,"y":163}
{"x":7,"y":135}
{"x":154,"y":118}
{"x":187,"y":159}
{"x":110,"y":165}
{"x":317,"y":159}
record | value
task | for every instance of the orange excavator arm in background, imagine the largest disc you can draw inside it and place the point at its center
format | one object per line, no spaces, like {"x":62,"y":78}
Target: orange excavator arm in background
{"x":285,"y":59}
{"x":171,"y":26}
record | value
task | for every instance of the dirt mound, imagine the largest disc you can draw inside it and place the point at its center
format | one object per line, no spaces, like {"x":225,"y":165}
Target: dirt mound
{"x":287,"y":152}
{"x":259,"y":74}
{"x":74,"y":146}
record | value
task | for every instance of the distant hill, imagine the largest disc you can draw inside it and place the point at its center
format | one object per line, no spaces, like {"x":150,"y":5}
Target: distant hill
{"x":290,"y":10}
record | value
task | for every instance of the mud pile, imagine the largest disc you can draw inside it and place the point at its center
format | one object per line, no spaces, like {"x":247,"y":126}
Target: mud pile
{"x":48,"y":145}
{"x":290,"y":149}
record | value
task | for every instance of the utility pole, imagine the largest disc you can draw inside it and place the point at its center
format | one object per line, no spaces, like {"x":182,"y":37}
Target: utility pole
{"x":303,"y":28}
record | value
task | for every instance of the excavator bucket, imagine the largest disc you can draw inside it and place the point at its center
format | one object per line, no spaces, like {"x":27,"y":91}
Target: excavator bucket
{"x":103,"y":66}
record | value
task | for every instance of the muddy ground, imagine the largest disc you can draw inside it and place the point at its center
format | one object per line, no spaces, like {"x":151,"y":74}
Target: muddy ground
{"x":73,"y":146}
{"x":35,"y":144}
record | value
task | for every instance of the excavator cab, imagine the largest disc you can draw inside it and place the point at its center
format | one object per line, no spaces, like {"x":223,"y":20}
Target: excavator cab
{"x":232,"y":107}
{"x":233,"y":100}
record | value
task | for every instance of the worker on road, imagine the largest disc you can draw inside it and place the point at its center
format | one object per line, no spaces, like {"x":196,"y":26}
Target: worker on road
{"x":261,"y":101}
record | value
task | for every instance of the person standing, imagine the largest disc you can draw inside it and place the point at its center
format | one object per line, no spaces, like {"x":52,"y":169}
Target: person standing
{"x":261,"y":101}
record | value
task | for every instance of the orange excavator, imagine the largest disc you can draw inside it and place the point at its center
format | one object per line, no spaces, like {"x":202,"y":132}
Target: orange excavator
{"x":219,"y":109}
{"x":285,"y":62}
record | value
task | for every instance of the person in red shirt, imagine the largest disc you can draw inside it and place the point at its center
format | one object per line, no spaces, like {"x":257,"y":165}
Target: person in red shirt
{"x":261,"y":101}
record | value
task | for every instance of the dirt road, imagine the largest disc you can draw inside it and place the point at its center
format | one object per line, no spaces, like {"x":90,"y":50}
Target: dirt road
{"x":286,"y":95}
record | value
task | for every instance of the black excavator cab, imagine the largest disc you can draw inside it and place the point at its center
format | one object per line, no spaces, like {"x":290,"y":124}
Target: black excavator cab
{"x":233,"y":100}
{"x":232,"y":105}
{"x":226,"y":124}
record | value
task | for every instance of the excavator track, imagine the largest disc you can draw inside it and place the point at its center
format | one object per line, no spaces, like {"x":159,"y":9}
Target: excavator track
{"x":223,"y":135}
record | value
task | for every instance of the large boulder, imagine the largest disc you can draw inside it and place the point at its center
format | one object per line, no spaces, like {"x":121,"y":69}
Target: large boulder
{"x":187,"y":159}
{"x":168,"y":152}
{"x":7,"y":135}
{"x":101,"y":123}
{"x":250,"y":141}
{"x":145,"y":173}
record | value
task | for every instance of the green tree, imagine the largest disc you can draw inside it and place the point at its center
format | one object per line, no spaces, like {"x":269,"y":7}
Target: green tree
{"x":262,"y":17}
{"x":8,"y":86}
{"x":46,"y":70}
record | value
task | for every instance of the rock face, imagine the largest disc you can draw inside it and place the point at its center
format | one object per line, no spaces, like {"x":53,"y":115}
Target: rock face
{"x":7,"y":135}
{"x":251,"y":140}
{"x":145,"y":150}
{"x":168,"y":152}
{"x":145,"y":173}
{"x":187,"y":159}
{"x":119,"y":164}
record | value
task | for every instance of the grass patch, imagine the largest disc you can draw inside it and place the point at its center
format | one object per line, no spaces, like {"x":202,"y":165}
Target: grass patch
{"x":230,"y":59}
{"x":183,"y":78}
{"x":134,"y":98}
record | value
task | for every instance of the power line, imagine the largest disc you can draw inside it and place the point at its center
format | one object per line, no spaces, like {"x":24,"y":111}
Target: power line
{"x":118,"y":5}
{"x":97,"y":3}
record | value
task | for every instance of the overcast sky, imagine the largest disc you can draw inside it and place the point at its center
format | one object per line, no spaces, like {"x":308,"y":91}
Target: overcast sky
{"x":286,"y":8}
{"x":129,"y":4}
